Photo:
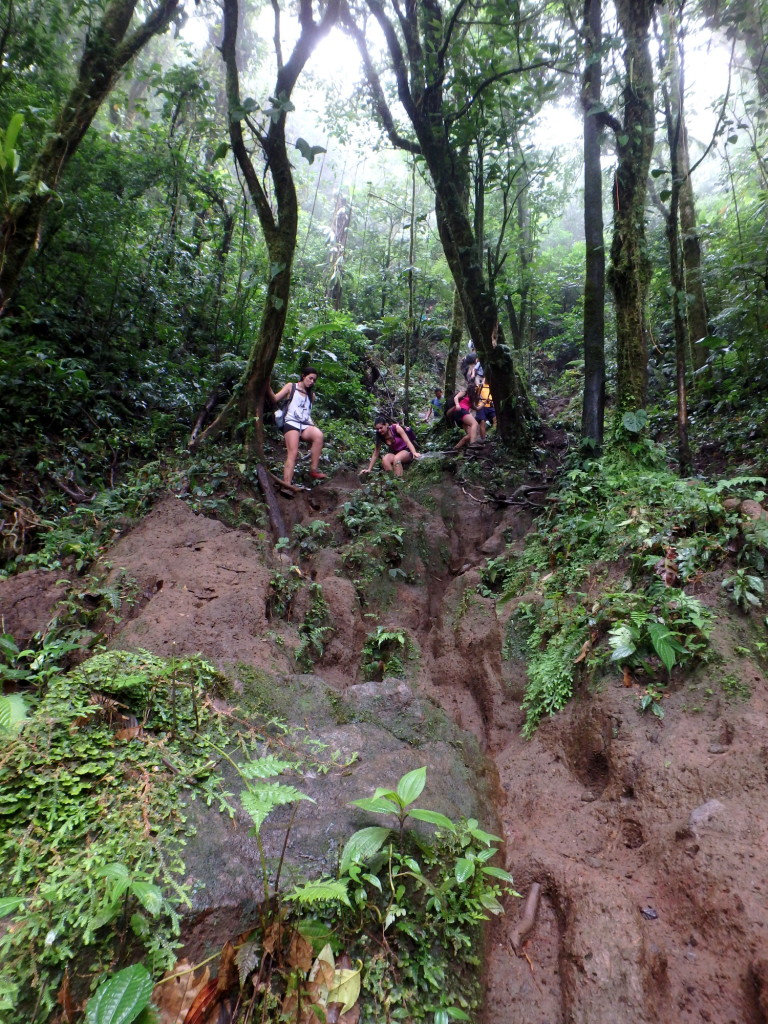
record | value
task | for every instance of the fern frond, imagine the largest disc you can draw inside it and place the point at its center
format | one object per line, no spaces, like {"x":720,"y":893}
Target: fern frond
{"x":321,"y":891}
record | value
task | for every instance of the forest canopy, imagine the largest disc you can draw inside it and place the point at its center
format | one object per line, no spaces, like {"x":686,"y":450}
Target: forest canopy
{"x":197,"y":201}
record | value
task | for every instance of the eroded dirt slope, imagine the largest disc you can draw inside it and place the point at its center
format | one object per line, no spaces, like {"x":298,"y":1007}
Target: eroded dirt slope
{"x":649,"y":838}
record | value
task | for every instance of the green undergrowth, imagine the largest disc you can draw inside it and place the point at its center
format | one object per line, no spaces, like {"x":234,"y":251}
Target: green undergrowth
{"x":92,"y":808}
{"x":395,"y":934}
{"x":612,"y":573}
{"x":97,"y":772}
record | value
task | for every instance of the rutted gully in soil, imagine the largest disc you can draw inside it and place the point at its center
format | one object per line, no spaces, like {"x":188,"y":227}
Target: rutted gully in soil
{"x":646,"y":840}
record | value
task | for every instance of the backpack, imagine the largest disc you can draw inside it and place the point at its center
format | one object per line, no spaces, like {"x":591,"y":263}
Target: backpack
{"x":410,"y":433}
{"x":283,"y":406}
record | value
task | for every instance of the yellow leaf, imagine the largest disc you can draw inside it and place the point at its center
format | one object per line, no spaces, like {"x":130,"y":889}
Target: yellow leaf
{"x":345,"y":988}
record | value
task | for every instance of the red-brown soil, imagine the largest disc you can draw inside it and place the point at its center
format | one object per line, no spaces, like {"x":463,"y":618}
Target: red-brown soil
{"x":649,"y":838}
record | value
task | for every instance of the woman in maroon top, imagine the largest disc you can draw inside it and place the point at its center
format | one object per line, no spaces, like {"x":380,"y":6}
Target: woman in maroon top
{"x":462,"y":415}
{"x":400,"y":448}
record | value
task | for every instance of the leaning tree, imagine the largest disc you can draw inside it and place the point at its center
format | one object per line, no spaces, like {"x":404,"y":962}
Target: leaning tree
{"x":444,"y":57}
{"x":276,"y":205}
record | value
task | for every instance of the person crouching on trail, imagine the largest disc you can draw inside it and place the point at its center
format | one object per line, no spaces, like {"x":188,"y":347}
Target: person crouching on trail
{"x":298,"y":425}
{"x":462,"y":415}
{"x":400,"y":446}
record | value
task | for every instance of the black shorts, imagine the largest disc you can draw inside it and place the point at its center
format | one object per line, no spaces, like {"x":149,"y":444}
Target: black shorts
{"x":458,"y":416}
{"x":290,"y":426}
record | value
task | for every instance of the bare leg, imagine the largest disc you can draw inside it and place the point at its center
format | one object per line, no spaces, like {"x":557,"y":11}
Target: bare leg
{"x":387,"y":461}
{"x":399,"y":461}
{"x":315,"y":437}
{"x":291,"y":454}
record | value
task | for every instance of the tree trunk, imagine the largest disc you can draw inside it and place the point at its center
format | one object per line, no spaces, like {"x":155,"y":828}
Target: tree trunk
{"x":279,"y":226}
{"x":107,"y":51}
{"x":673,"y":110}
{"x":420,"y":74}
{"x":454,"y":346}
{"x":630,"y":270}
{"x":593,"y":404}
{"x":696,"y":302}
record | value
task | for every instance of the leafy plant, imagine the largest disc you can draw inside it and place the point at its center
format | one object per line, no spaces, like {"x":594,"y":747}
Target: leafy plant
{"x":314,"y":630}
{"x":651,"y":701}
{"x":125,"y":732}
{"x":745,"y":589}
{"x":384,"y":652}
{"x":123,"y":998}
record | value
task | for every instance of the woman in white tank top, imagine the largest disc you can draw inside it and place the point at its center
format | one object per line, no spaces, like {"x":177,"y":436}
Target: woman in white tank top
{"x":298,"y":425}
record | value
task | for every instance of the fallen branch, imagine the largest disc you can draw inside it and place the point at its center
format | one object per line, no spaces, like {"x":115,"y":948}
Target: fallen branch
{"x":267,"y":489}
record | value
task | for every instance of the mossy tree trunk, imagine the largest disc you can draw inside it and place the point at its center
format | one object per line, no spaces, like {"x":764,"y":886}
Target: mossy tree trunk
{"x":630,"y":269}
{"x":593,"y":404}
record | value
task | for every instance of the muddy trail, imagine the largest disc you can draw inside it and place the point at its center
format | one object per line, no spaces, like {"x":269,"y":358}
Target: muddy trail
{"x":642,"y":843}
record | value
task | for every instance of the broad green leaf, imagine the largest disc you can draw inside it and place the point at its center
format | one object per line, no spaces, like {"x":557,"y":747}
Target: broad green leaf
{"x":117,"y":872}
{"x":13,"y":713}
{"x":121,"y":998}
{"x":9,"y":905}
{"x":456,"y":1014}
{"x":491,"y":903}
{"x":463,"y":869}
{"x":432,"y":817}
{"x":11,"y":134}
{"x":664,"y":644}
{"x":410,"y":786}
{"x":498,"y":873}
{"x":484,"y":837}
{"x":634,"y":422}
{"x":362,"y":845}
{"x":379,"y":805}
{"x":150,"y":897}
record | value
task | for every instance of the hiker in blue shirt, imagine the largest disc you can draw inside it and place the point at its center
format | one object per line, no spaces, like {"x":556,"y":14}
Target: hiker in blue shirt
{"x":399,"y":442}
{"x":435,"y":410}
{"x":297,"y":424}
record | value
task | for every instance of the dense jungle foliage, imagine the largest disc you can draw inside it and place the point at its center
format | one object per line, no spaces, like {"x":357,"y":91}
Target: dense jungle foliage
{"x":143,"y":301}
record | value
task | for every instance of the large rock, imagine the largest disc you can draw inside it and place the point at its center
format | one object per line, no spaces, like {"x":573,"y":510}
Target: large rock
{"x":372,"y":736}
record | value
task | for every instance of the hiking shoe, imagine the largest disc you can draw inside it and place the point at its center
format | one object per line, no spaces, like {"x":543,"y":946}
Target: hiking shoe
{"x":315,"y":474}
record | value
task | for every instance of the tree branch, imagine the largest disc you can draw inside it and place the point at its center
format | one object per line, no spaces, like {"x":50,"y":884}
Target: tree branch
{"x":374,"y":84}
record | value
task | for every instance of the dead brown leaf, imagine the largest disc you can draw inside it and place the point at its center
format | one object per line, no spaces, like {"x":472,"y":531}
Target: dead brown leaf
{"x":134,"y":732}
{"x":204,"y":1004}
{"x":228,"y":975}
{"x":585,"y":648}
{"x":299,"y":952}
{"x":65,"y":1001}
{"x":174,"y":997}
{"x":273,"y":937}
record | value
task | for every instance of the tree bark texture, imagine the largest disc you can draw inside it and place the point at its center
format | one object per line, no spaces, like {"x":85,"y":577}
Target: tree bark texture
{"x":108,"y":48}
{"x":673,"y":111}
{"x":593,"y":403}
{"x":420,"y":68}
{"x":454,"y":346}
{"x":630,"y":269}
{"x":697,"y":321}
